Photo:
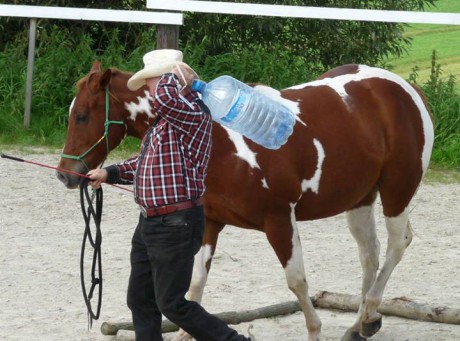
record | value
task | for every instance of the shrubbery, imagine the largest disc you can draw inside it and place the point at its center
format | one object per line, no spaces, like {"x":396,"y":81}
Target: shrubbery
{"x":62,"y":59}
{"x":444,"y":99}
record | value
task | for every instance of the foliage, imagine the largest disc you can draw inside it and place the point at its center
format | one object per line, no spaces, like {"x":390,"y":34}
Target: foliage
{"x":61,"y":59}
{"x":324,"y":43}
{"x":444,"y":99}
{"x":252,"y":65}
{"x":277,"y":52}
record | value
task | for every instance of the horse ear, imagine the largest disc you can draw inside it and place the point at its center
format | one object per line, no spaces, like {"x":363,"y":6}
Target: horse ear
{"x":105,"y":79}
{"x":97,"y":81}
{"x":96,"y":67}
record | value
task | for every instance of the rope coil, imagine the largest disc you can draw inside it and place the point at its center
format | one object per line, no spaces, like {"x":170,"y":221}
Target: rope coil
{"x":91,"y":206}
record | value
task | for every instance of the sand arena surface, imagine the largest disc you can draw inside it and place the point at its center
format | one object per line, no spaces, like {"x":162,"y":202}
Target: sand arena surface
{"x":41,"y":229}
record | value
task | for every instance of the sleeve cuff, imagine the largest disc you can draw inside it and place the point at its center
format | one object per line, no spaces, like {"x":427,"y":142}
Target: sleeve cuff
{"x":113,"y":174}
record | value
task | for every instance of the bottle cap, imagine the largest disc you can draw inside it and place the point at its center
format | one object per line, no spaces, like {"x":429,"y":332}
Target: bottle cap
{"x":198,"y":85}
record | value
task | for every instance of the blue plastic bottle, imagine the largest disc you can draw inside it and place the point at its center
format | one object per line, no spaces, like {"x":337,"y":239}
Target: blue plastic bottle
{"x":247,"y":111}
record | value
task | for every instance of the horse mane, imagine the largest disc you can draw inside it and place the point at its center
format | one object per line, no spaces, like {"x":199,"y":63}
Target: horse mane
{"x":115,"y":72}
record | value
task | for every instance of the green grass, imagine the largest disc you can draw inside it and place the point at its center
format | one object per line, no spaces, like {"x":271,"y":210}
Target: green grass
{"x":445,"y":39}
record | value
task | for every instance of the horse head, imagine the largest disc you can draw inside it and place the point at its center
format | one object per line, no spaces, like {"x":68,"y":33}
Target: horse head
{"x":100,"y":116}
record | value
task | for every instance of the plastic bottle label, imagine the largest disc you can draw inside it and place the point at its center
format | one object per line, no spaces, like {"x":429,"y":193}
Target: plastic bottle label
{"x":236,"y":108}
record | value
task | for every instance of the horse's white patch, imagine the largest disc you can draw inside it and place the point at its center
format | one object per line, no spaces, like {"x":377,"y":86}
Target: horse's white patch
{"x":243,"y":152}
{"x":365,"y":72}
{"x":200,"y":273}
{"x":294,"y":270}
{"x":242,"y":149}
{"x":297,"y":281}
{"x":276,"y":95}
{"x":72,"y":105}
{"x":426,"y":119}
{"x":336,"y":83}
{"x":199,"y":267}
{"x":264,"y":183}
{"x":313,"y":183}
{"x":143,"y":106}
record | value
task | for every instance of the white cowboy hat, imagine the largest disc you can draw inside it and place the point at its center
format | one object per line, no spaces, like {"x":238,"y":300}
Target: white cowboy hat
{"x":156,"y":63}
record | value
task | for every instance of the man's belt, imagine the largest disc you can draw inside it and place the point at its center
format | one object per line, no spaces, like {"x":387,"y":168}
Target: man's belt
{"x":178,"y":206}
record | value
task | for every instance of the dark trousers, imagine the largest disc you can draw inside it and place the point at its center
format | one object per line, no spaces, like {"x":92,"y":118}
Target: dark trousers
{"x":162,"y":255}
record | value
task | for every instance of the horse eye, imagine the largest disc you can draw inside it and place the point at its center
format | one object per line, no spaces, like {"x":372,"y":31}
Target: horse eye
{"x":80,"y":117}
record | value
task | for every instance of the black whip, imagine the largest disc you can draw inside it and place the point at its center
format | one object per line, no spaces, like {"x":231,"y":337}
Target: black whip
{"x":91,"y":211}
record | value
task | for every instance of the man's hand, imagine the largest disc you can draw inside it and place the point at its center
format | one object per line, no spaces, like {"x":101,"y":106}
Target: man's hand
{"x":97,"y":177}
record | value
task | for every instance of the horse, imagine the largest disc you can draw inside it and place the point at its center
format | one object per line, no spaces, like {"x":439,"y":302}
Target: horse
{"x":360,"y":132}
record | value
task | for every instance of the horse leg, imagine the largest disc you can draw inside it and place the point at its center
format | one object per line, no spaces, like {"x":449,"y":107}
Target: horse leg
{"x":396,"y":188}
{"x":201,"y":268}
{"x":361,"y":223}
{"x":284,"y":238}
{"x":399,"y":238}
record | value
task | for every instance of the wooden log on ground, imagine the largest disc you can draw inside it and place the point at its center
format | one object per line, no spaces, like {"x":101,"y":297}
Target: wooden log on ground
{"x":400,"y":306}
{"x":230,"y":317}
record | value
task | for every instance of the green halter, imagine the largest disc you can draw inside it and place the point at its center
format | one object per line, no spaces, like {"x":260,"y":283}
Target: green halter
{"x":105,"y":136}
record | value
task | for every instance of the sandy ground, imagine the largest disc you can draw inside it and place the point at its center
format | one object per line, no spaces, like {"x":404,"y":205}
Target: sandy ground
{"x":41,"y":229}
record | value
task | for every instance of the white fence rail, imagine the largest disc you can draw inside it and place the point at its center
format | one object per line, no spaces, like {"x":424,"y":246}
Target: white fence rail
{"x":69,"y":13}
{"x":91,"y":14}
{"x":305,"y":12}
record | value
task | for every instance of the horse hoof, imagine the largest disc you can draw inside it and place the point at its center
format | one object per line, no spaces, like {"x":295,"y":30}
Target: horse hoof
{"x":369,"y":329}
{"x":352,"y":335}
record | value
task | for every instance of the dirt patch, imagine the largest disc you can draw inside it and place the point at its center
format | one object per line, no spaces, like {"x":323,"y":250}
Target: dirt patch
{"x":41,"y":229}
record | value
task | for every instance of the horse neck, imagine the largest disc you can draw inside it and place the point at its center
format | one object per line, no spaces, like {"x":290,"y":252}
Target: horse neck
{"x":137,"y":111}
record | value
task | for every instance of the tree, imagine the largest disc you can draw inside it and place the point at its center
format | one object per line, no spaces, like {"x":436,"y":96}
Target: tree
{"x":327,"y":43}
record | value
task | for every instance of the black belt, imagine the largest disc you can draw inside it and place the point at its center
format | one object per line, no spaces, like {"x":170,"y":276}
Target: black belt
{"x":178,"y":206}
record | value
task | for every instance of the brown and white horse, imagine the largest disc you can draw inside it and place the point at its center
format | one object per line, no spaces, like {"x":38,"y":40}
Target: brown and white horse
{"x":360,"y":131}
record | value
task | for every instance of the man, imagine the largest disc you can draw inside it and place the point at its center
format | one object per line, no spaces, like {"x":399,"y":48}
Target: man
{"x":168,"y":176}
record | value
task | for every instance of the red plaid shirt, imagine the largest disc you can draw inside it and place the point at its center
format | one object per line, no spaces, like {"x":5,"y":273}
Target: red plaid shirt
{"x":174,"y":154}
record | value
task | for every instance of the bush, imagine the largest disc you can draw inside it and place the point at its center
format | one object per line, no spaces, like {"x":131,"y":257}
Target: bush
{"x":444,"y":99}
{"x":62,"y":59}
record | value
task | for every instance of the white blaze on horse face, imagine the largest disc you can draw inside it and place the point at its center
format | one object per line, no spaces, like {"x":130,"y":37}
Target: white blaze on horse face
{"x":242,"y":149}
{"x":143,"y":106}
{"x":70,"y":113}
{"x":313,"y":182}
{"x":72,"y":105}
{"x":276,"y":95}
{"x":366,"y":72}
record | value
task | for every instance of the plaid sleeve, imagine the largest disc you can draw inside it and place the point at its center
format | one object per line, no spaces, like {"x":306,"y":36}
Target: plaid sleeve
{"x":182,"y":112}
{"x":123,"y":172}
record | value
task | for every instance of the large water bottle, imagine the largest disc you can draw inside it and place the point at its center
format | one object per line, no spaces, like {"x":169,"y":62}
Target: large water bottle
{"x":243,"y":109}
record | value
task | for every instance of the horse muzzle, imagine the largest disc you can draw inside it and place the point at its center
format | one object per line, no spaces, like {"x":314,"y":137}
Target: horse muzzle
{"x":70,"y":181}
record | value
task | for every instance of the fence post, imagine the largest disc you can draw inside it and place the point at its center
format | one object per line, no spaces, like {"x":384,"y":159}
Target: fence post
{"x":167,"y":37}
{"x":30,"y":71}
